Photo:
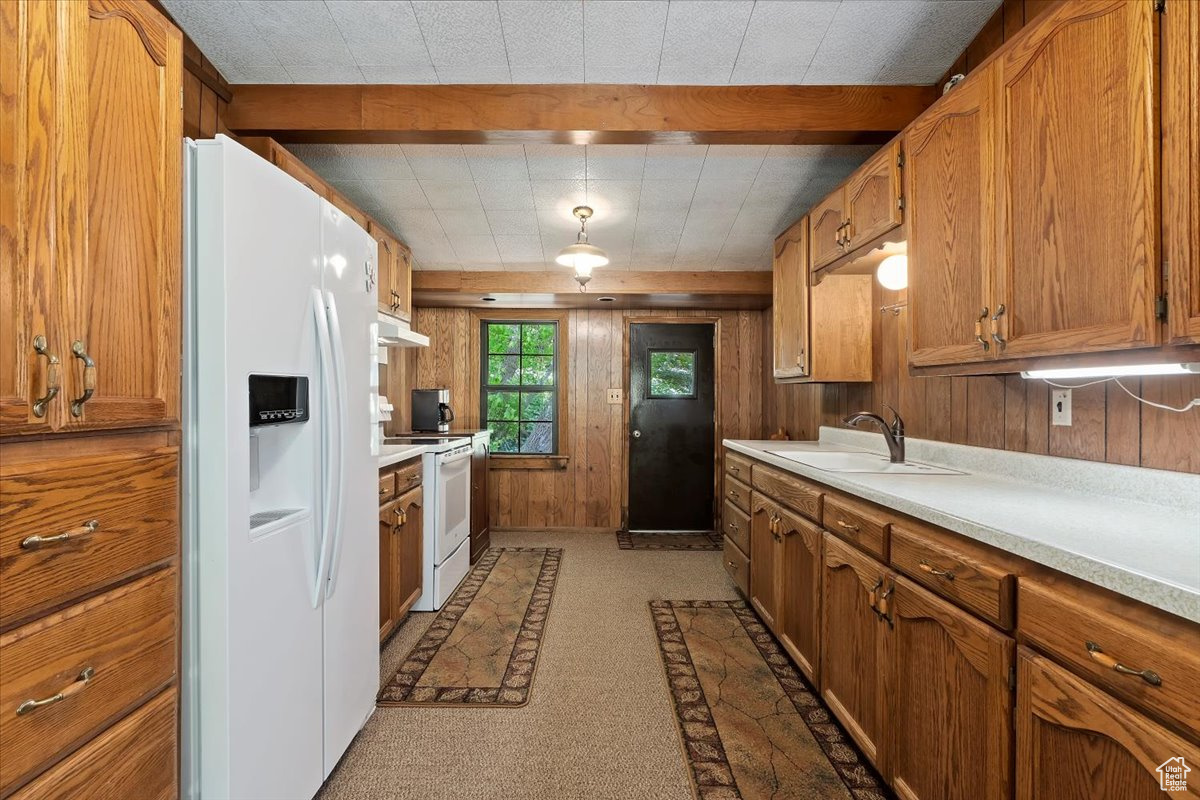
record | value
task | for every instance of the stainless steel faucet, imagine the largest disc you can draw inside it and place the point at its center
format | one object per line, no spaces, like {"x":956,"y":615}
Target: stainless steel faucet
{"x":894,"y":433}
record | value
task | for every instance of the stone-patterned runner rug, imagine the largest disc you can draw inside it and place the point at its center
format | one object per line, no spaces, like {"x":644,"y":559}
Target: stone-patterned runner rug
{"x":482,"y":647}
{"x":751,"y":727}
{"x":667,"y":540}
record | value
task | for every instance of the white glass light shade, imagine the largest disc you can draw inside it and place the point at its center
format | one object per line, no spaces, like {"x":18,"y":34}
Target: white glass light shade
{"x":582,"y":257}
{"x":892,"y":272}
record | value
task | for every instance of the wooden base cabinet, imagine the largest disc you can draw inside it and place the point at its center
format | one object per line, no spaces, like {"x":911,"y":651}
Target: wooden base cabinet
{"x":852,"y":640}
{"x":1074,"y":742}
{"x":949,"y":700}
{"x":400,"y":553}
{"x":481,"y":525}
{"x":764,"y":582}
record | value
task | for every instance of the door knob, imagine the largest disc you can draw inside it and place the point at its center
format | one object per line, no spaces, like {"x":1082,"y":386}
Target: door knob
{"x":637,"y":434}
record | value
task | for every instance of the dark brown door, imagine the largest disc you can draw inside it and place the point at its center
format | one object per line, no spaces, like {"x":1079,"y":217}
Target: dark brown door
{"x":671,"y":458}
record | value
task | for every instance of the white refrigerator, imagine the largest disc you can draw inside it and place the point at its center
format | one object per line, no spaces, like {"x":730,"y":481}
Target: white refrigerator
{"x":281,"y":647}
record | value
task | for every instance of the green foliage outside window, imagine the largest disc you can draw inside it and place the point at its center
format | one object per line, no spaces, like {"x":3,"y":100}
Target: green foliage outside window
{"x":672,"y":373}
{"x":520,"y":392}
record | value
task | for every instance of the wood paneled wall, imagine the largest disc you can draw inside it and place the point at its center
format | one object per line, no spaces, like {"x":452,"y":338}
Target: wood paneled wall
{"x":998,"y":411}
{"x":1010,"y":17}
{"x":587,"y":492}
{"x":206,"y":95}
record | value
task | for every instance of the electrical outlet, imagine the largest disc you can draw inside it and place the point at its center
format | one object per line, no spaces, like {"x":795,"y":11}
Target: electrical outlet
{"x":614,"y":397}
{"x":1060,"y":407}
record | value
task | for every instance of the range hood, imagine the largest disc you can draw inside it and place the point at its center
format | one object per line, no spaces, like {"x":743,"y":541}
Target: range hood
{"x":394,"y":333}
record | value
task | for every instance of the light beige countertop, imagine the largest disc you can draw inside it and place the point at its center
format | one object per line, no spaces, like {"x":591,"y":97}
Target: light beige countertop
{"x":395,"y":453}
{"x":1135,"y":531}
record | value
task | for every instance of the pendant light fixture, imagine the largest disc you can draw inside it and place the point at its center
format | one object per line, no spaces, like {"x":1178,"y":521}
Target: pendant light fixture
{"x":582,"y":256}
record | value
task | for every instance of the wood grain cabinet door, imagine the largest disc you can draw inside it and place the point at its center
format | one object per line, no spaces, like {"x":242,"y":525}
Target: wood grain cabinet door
{"x":27,"y":128}
{"x":852,"y":658}
{"x":119,"y":213}
{"x":389,"y":521}
{"x":950,"y":701}
{"x":827,"y":229}
{"x":1181,"y":169}
{"x":1074,"y":742}
{"x":789,"y":305}
{"x":763,"y":578}
{"x":873,"y":197}
{"x":799,"y":567}
{"x":402,"y":281}
{"x":384,"y":265}
{"x":1077,"y":166}
{"x":407,"y":552}
{"x":948,"y":170}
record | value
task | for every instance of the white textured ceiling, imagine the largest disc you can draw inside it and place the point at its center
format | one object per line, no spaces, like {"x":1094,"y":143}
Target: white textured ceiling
{"x":495,"y":207}
{"x":708,"y":42}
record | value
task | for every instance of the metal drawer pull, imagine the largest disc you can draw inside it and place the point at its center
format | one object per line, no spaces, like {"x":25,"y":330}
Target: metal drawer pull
{"x":733,"y":526}
{"x":1096,"y":653}
{"x":53,"y":379}
{"x":884,"y":611}
{"x":846,"y":526}
{"x":878,"y":585}
{"x":78,"y":686}
{"x":736,"y":470}
{"x":86,"y":529}
{"x":996,"y":337}
{"x":932,"y":570}
{"x":89,"y":378}
{"x":979,"y":329}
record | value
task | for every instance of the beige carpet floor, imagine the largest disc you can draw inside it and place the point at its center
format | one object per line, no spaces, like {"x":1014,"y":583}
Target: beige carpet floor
{"x":599,"y":725}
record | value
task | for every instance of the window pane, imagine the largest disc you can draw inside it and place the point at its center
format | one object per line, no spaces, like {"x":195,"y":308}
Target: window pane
{"x":504,"y":370}
{"x":504,"y":437}
{"x":504,"y":338}
{"x":537,"y":339}
{"x":672,"y":374}
{"x":537,"y":406}
{"x":537,"y":371}
{"x":502,"y":406}
{"x":537,"y":437}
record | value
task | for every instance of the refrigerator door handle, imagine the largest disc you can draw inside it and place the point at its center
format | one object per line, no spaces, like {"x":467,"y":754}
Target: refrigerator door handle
{"x":339,"y":371}
{"x":328,"y":401}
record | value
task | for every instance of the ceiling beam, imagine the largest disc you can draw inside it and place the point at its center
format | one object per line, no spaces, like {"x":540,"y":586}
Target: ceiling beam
{"x":575,"y":113}
{"x":603,"y":281}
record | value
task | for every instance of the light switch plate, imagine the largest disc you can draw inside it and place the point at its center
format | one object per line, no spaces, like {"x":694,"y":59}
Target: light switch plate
{"x":1060,"y":407}
{"x":614,"y":396}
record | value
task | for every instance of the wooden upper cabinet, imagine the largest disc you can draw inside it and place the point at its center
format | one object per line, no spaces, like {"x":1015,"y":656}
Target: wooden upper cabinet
{"x":852,"y":638}
{"x":119,"y":214}
{"x":1074,"y":742}
{"x":789,"y":303}
{"x":402,"y":281}
{"x":395,"y":273}
{"x":827,"y":223}
{"x":27,"y":224}
{"x":873,"y":204}
{"x":1181,"y":170}
{"x":949,"y":177}
{"x":950,"y":701}
{"x":1077,"y":171}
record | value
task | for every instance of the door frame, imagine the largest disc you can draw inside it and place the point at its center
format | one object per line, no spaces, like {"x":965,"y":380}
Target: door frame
{"x":702,"y":319}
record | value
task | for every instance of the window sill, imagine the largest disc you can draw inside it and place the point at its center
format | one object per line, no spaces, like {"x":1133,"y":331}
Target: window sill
{"x":528,"y":462}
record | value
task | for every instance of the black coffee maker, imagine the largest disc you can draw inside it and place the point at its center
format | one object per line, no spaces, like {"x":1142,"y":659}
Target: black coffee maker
{"x":431,"y":410}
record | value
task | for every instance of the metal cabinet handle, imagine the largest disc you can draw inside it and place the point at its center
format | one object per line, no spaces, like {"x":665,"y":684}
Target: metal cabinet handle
{"x":871,"y":594}
{"x":76,"y":687}
{"x":848,"y":236}
{"x":733,"y":526}
{"x":53,"y":377}
{"x":86,"y":529}
{"x":979,"y":329}
{"x":1097,"y":654}
{"x":89,"y":378}
{"x":932,"y":570}
{"x":846,"y":526}
{"x":996,"y":337}
{"x":885,"y":613}
{"x":736,"y":470}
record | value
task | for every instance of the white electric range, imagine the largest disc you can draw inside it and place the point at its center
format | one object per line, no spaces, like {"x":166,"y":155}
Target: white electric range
{"x":446,"y":527}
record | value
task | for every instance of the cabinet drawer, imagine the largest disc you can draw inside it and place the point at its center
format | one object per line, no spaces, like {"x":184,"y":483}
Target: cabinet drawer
{"x":737,"y":493}
{"x":1094,"y":634}
{"x":737,"y":465}
{"x":857,"y":522}
{"x":794,"y":492}
{"x":737,"y":565}
{"x":120,"y":514}
{"x":736,"y":526}
{"x":956,"y":570}
{"x":408,"y":476}
{"x":387,"y":486}
{"x":134,"y":758}
{"x":126,"y":637}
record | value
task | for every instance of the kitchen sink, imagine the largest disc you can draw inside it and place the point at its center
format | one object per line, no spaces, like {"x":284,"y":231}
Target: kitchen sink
{"x":860,"y":462}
